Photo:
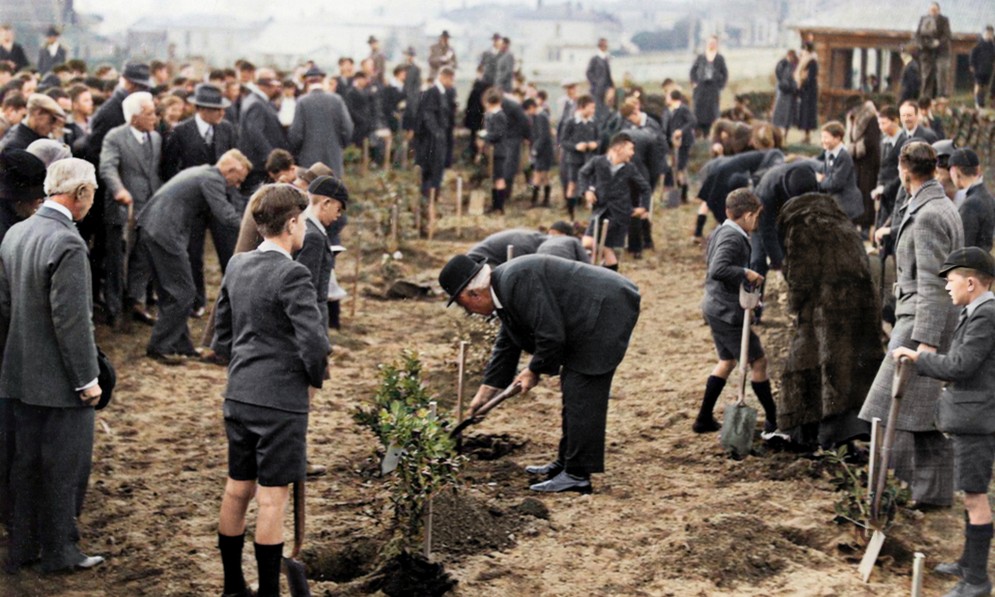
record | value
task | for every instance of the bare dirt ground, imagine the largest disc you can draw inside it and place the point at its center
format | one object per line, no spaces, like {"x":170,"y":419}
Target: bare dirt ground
{"x":672,"y":516}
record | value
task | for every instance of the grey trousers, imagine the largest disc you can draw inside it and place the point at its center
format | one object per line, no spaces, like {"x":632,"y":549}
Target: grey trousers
{"x":50,"y":470}
{"x":116,"y":284}
{"x":925,"y":460}
{"x":175,"y":288}
{"x":584,"y":419}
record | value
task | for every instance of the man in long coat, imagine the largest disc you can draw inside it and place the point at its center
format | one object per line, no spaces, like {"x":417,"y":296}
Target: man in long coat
{"x":322,"y":126}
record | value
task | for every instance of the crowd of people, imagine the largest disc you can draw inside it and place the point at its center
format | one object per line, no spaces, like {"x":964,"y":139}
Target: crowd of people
{"x":146,"y":160}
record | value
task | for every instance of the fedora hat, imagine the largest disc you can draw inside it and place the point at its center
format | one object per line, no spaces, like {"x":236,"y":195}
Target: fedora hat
{"x":456,"y":274}
{"x":138,"y":73}
{"x":206,"y":95}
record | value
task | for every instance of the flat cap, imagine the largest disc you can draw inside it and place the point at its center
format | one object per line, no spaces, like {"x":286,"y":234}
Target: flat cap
{"x":974,"y":258}
{"x":965,"y":158}
{"x":40,"y":101}
{"x":329,"y":186}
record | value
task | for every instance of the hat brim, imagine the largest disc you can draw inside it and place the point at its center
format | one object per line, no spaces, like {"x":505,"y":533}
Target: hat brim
{"x":473,"y":273}
{"x":946,"y":268}
{"x":225,"y":104}
{"x":143,"y":82}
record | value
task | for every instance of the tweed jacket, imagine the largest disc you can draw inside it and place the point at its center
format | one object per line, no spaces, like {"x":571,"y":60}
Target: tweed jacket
{"x":322,"y":127}
{"x":267,"y":326}
{"x":565,"y":314}
{"x":123,"y":165}
{"x":494,"y":248}
{"x":46,"y":306}
{"x":259,"y":130}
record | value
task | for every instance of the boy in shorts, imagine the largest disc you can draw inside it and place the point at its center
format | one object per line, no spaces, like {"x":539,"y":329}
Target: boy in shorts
{"x":728,"y":268}
{"x":267,"y":328}
{"x":969,"y":369}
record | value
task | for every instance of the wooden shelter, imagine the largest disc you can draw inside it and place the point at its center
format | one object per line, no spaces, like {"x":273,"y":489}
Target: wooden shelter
{"x":847,"y":57}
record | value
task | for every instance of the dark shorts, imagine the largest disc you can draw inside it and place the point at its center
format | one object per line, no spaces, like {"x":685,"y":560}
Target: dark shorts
{"x":542,"y":161}
{"x":265,"y":444}
{"x":973,"y":459}
{"x":727,"y":340}
{"x":617,"y":231}
{"x":499,"y":173}
{"x":982,"y":78}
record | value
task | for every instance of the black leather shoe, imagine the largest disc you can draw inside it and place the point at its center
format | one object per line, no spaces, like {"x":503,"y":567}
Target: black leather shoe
{"x":709,"y":425}
{"x":141,"y":315}
{"x":165,"y":359}
{"x":563,"y":482}
{"x":950,"y":568}
{"x":246,"y":592}
{"x":550,"y":469}
{"x":966,"y":589}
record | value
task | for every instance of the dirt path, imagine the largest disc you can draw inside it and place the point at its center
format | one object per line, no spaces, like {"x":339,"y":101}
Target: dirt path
{"x":672,"y":516}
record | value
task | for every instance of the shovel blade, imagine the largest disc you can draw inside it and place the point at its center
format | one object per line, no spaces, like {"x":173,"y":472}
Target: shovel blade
{"x":296,"y":578}
{"x":738,"y":424}
{"x":391,"y":459}
{"x":871,"y":555}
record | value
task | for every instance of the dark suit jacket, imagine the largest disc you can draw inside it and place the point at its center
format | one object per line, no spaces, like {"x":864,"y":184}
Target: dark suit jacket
{"x":496,"y":133}
{"x":362,"y":110}
{"x":616,"y":193}
{"x":186,"y":148}
{"x":432,"y":125}
{"x":564,"y":247}
{"x":267,"y":326}
{"x":46,"y":61}
{"x":519,"y":127}
{"x":574,"y":132}
{"x":259,"y":131}
{"x":566,"y":314}
{"x":841,"y":182}
{"x":978,"y":215}
{"x":488,"y":66}
{"x":178,"y":206}
{"x":123,"y":165}
{"x":504,"y":71}
{"x":494,"y":248}
{"x":924,"y":133}
{"x":473,"y":118}
{"x":412,"y":91}
{"x":728,"y":259}
{"x":938,"y":42}
{"x":682,"y":119}
{"x":911,"y":82}
{"x":321,"y":129}
{"x":108,"y":115}
{"x":19,"y":137}
{"x":316,"y":256}
{"x":46,"y":306}
{"x":599,"y":75}
{"x":15,"y":55}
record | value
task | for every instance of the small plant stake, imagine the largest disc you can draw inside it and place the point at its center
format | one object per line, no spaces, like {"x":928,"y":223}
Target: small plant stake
{"x":459,"y":207}
{"x":394,"y":216}
{"x":432,"y":195}
{"x":432,"y":408}
{"x":460,"y":380}
{"x":355,"y":280}
{"x":366,"y":156}
{"x":917,"y":567}
{"x":389,"y":160}
{"x":511,"y":252}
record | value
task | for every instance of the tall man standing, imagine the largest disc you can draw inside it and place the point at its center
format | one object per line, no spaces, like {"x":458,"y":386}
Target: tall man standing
{"x":504,"y":67}
{"x":433,"y":125}
{"x":933,"y":38}
{"x":50,"y":369}
{"x":441,"y":55}
{"x":322,"y":126}
{"x":983,"y":65}
{"x":488,"y":60}
{"x":599,"y":75}
{"x":259,"y":128}
{"x":576,"y":321}
{"x":10,"y":50}
{"x":52,"y":53}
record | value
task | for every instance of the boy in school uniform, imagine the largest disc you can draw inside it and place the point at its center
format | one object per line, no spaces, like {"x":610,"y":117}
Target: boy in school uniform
{"x":728,"y":268}
{"x":494,"y":133}
{"x":580,"y":142}
{"x":542,"y":151}
{"x":966,"y":409}
{"x":328,"y":201}
{"x":265,"y":328}
{"x":612,"y":185}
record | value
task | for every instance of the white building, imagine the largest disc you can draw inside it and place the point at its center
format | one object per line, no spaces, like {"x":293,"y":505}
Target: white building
{"x":562,"y":35}
{"x":216,"y":38}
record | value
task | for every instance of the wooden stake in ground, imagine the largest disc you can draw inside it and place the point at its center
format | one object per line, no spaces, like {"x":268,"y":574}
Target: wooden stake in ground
{"x":604,"y":237}
{"x":389,"y":159}
{"x":394,"y":215}
{"x":432,"y":194}
{"x":366,"y":157}
{"x":432,"y":407}
{"x":404,"y":154}
{"x":355,"y":281}
{"x":460,"y":380}
{"x":594,"y":251}
{"x":917,"y":567}
{"x":459,"y":207}
{"x":416,"y":202}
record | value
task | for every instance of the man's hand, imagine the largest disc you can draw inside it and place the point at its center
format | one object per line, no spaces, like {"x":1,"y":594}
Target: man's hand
{"x":592,"y":145}
{"x":753,"y":277}
{"x":639,"y":212}
{"x":590,"y":198}
{"x":880,"y":233}
{"x":484,"y":394}
{"x":923,"y":347}
{"x":582,"y":146}
{"x":123,"y":197}
{"x":819,"y":177}
{"x":876,"y":192}
{"x":901,"y":351}
{"x":91,"y":395}
{"x":527,"y":379}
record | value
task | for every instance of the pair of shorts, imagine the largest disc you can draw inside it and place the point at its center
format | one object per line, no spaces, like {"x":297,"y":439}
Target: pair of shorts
{"x":618,"y":230}
{"x":498,"y":167}
{"x":727,"y":338}
{"x":973,"y":459}
{"x":265,"y":444}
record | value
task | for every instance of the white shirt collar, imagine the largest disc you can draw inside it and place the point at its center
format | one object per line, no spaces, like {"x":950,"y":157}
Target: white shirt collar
{"x":603,"y":55}
{"x":202,"y":125}
{"x":440,"y":87}
{"x":735,"y":227}
{"x":268,"y":246}
{"x":138,"y":135}
{"x":642,"y":119}
{"x":579,"y":118}
{"x":53,"y":49}
{"x":893,"y":139}
{"x":62,"y":209}
{"x":835,"y":153}
{"x":984,"y":298}
{"x":310,"y":216}
{"x":497,"y":303}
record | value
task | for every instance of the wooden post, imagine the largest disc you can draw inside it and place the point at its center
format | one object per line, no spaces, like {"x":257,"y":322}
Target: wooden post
{"x":459,"y":207}
{"x":490,"y":163}
{"x":511,"y":252}
{"x":604,"y":237}
{"x":872,"y":465}
{"x":389,"y":157}
{"x":394,"y":215}
{"x":428,"y":506}
{"x":416,"y":202}
{"x":432,"y":193}
{"x":404,"y":154}
{"x":460,"y":380}
{"x":355,"y":281}
{"x":366,"y":156}
{"x":917,"y":567}
{"x":597,"y":237}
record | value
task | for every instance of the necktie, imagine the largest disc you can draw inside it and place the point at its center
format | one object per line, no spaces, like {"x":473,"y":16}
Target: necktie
{"x":209,"y":135}
{"x":963,"y":316}
{"x":886,"y":149}
{"x":147,"y":147}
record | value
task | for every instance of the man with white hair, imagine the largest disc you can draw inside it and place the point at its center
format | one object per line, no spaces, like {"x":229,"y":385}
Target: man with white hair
{"x":49,"y":370}
{"x":44,"y":117}
{"x":129,"y":167}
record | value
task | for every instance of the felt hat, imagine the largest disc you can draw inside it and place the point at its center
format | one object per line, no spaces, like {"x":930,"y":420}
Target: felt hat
{"x":372,"y":40}
{"x":206,"y":95}
{"x":410,"y":51}
{"x":974,"y":258}
{"x":800,"y":181}
{"x":314,"y":73}
{"x":52,"y":31}
{"x":496,"y":36}
{"x":445,"y":34}
{"x":965,"y":158}
{"x":22,"y":176}
{"x":329,"y":186}
{"x":456,"y":274}
{"x":138,"y":73}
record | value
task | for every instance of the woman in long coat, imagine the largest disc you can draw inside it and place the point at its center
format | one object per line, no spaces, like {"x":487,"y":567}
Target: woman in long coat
{"x":786,"y":102}
{"x":708,"y":76}
{"x":807,"y":77}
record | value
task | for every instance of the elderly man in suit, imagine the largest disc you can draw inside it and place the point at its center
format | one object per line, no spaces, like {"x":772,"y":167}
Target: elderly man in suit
{"x":164,"y":232}
{"x":930,"y":230}
{"x":433,"y":123}
{"x":441,"y":55}
{"x":259,"y":128}
{"x":129,"y":166}
{"x":52,"y":53}
{"x":933,"y":38}
{"x":322,"y":125}
{"x":488,"y":60}
{"x":45,"y":117}
{"x":599,"y":76}
{"x":977,"y":212}
{"x":518,"y":241}
{"x":838,"y":176}
{"x":49,"y":370}
{"x":576,"y":321}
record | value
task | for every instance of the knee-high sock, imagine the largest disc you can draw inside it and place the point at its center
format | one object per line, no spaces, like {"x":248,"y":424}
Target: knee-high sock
{"x":268,"y":559}
{"x":977,"y":543}
{"x":546,"y":190}
{"x":231,"y":560}
{"x":713,"y":389}
{"x":762,"y":390}
{"x":699,"y":225}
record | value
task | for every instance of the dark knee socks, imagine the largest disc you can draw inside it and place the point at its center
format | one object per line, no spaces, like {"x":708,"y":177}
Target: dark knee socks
{"x":713,"y":389}
{"x":571,"y":206}
{"x":535,"y":195}
{"x":268,"y":559}
{"x":762,"y":390}
{"x":546,"y":190}
{"x":977,"y":543}
{"x":231,"y":560}
{"x":699,"y":225}
{"x":497,"y":198}
{"x":613,"y":267}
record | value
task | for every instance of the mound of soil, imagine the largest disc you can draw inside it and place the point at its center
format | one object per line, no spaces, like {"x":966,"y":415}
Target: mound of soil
{"x":491,"y":447}
{"x":465,"y":525}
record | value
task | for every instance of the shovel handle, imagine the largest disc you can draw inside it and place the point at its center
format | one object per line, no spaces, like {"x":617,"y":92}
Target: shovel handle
{"x":901,"y":378}
{"x":475,"y":416}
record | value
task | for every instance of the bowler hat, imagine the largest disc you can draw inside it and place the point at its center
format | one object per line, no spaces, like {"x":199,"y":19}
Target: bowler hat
{"x":372,"y":40}
{"x":410,"y":51}
{"x":329,"y":186}
{"x":53,"y":31}
{"x":314,"y":73}
{"x":138,"y":73}
{"x":965,"y":158}
{"x":22,"y":176}
{"x":800,"y":181}
{"x":206,"y":95}
{"x":456,"y":274}
{"x":974,"y":258}
{"x":445,"y":34}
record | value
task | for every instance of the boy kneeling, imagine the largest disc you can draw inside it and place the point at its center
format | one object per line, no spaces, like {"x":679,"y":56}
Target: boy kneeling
{"x":966,"y":410}
{"x":267,"y":328}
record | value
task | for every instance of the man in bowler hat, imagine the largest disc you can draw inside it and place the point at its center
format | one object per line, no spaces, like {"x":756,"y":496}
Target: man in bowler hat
{"x":576,"y":321}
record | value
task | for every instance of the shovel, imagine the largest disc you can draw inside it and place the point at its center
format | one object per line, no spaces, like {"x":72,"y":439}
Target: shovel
{"x":294,"y":568}
{"x":903,"y":371}
{"x":739,"y":420}
{"x":479,"y":414}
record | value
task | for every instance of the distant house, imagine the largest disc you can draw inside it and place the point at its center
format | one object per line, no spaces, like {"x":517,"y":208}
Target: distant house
{"x":562,"y":34}
{"x":217,"y":38}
